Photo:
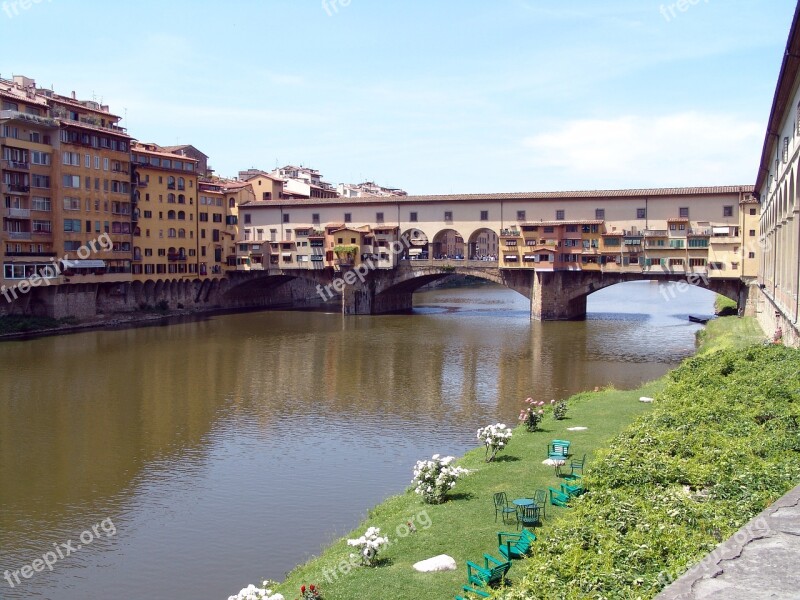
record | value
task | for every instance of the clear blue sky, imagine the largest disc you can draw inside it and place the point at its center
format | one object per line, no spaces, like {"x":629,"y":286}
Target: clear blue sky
{"x":434,"y":97}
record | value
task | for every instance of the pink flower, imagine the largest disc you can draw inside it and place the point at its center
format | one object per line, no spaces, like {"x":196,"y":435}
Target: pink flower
{"x":552,"y":401}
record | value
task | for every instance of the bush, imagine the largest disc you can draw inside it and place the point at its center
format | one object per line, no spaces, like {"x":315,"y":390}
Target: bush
{"x":433,"y":478}
{"x":533,"y":415}
{"x":721,"y":444}
{"x":495,"y":438}
{"x":560,"y":410}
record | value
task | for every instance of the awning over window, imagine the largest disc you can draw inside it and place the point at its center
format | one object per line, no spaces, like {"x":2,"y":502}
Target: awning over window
{"x":414,"y":251}
{"x":721,"y":230}
{"x":286,"y":254}
{"x":84,"y":264}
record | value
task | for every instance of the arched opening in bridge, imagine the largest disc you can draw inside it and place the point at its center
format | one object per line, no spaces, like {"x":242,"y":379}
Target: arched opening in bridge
{"x":415,"y":245}
{"x":448,"y":243}
{"x":483,"y":245}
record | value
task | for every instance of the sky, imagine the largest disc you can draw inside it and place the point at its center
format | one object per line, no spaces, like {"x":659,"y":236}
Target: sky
{"x":434,"y":97}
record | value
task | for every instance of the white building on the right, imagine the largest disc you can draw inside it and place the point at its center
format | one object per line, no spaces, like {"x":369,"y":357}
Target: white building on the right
{"x":778,"y":187}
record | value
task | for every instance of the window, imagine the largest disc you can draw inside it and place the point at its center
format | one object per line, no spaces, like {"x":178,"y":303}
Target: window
{"x":520,"y":215}
{"x":40,"y":158}
{"x":751,"y":255}
{"x":559,"y":215}
{"x":448,"y":215}
{"x":285,"y":217}
{"x":72,"y":203}
{"x":348,"y":217}
{"x":785,"y":150}
{"x":148,"y":214}
{"x":683,"y":212}
{"x":72,"y":159}
{"x":727,"y":211}
{"x":39,"y":203}
{"x":484,"y":215}
{"x":72,"y":225}
{"x":412,"y":217}
{"x":218,"y":218}
{"x":379,"y":217}
{"x":752,"y":233}
{"x":752,"y":211}
{"x":641,"y":213}
{"x":600,"y":214}
{"x":71,"y":181}
{"x":315,"y":218}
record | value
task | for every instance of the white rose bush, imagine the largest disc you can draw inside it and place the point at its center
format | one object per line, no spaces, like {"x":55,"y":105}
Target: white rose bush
{"x":495,"y":437}
{"x":368,"y":545}
{"x":435,"y":477}
{"x":252,"y":592}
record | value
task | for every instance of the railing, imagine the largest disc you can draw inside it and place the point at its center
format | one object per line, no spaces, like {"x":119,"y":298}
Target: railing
{"x":19,"y":235}
{"x":18,"y":213}
{"x":15,"y":188}
{"x":448,"y":263}
{"x":700,"y":232}
{"x":176,"y":257}
{"x":655,"y":233}
{"x":17,"y":115}
{"x":16,"y":164}
{"x":141,"y":183}
{"x":30,"y":254}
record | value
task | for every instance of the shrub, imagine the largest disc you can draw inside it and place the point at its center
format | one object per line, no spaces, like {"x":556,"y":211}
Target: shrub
{"x":434,"y":478}
{"x":252,"y":592}
{"x":495,"y":437}
{"x":532,"y":415}
{"x":560,"y":410}
{"x":368,"y":545}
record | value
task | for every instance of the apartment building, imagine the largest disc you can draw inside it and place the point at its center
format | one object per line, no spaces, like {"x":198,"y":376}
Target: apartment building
{"x":165,"y":214}
{"x":66,"y":186}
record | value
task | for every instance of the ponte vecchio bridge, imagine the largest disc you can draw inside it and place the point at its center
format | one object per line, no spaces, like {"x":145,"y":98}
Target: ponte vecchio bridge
{"x":555,"y":248}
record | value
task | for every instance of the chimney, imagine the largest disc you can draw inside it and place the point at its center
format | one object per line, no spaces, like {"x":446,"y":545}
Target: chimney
{"x":73,"y":95}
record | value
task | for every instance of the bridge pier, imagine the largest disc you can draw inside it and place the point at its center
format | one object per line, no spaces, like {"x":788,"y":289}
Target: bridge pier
{"x":553,"y":297}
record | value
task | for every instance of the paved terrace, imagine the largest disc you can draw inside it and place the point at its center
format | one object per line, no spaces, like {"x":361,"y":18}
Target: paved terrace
{"x":762,"y":560}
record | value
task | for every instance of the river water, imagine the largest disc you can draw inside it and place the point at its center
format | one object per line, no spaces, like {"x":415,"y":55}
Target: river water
{"x":213,"y":453}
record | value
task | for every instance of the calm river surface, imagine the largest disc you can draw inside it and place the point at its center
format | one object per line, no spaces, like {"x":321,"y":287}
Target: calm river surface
{"x":230,"y":449}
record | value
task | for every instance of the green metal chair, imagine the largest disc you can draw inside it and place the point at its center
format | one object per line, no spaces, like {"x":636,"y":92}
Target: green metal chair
{"x":471,"y":590}
{"x":502,"y":506}
{"x":493,"y":571}
{"x":576,"y":469}
{"x":558,"y":498}
{"x":573,"y":490}
{"x":515,"y":545}
{"x":528,"y":516}
{"x":540,"y":497}
{"x":558,"y":449}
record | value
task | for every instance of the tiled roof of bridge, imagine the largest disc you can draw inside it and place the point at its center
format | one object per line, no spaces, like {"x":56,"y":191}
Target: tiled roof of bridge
{"x":567,"y":195}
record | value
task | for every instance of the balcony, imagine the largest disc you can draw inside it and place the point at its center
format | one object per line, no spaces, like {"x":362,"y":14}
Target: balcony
{"x":655,"y":233}
{"x":34,"y":119}
{"x":16,"y":188}
{"x":16,"y":165}
{"x":700,"y":232}
{"x":18,"y":213}
{"x":141,"y":183}
{"x":19,"y":235}
{"x":30,"y":254}
{"x":176,"y":257}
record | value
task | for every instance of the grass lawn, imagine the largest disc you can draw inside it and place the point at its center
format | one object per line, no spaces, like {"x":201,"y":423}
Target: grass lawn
{"x":729,"y":332}
{"x":464,"y":526}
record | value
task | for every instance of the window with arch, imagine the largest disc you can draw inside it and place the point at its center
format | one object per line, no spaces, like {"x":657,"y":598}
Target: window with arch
{"x":181,"y":233}
{"x":170,"y":183}
{"x":232,"y":203}
{"x":137,"y":232}
{"x":170,"y":198}
{"x":181,"y":199}
{"x":172,"y":233}
{"x":181,"y":183}
{"x":181,"y":215}
{"x":171,"y":215}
